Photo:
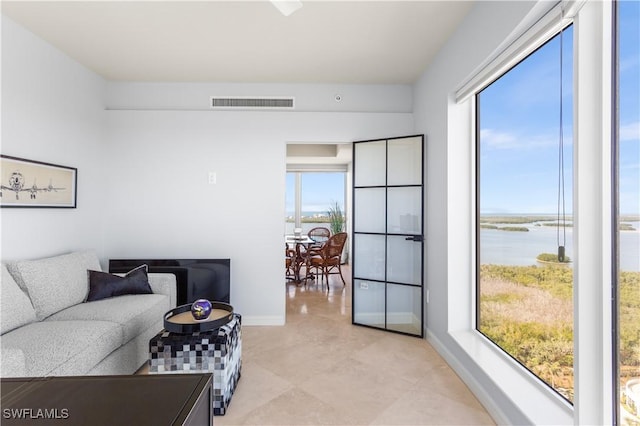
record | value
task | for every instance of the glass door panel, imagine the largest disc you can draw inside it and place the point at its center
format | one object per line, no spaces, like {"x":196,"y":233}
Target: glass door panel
{"x":370,"y":159}
{"x":370,"y":247}
{"x":404,"y":260}
{"x":404,"y":210}
{"x":369,"y":303}
{"x":405,"y":161}
{"x":404,"y":312}
{"x":369,"y":209}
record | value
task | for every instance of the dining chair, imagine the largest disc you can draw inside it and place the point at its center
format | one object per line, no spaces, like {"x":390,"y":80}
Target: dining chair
{"x":319,"y":235}
{"x":328,"y":258}
{"x":289,"y":259}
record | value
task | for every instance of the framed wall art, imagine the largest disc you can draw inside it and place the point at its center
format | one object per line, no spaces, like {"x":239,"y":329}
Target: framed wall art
{"x":28,"y":183}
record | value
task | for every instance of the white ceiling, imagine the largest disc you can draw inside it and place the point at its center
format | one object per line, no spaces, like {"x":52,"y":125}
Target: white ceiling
{"x":349,"y":42}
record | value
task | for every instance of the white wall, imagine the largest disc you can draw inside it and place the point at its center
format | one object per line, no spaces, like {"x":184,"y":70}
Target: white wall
{"x":144,"y":152}
{"x":308,"y":97}
{"x":52,"y":111}
{"x":161,"y":205}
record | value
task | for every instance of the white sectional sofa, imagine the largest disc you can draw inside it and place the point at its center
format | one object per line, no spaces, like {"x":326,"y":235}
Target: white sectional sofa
{"x":49,"y":329}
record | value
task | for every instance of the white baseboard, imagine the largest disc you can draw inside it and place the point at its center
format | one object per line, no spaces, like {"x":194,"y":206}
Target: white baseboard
{"x":476,"y":388}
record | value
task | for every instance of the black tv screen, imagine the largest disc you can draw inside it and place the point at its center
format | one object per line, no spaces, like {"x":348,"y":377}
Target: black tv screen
{"x":196,"y":278}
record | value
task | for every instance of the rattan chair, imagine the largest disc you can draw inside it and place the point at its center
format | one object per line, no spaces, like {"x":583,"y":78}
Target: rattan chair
{"x":289,"y":259}
{"x":327,"y":260}
{"x":320,"y":235}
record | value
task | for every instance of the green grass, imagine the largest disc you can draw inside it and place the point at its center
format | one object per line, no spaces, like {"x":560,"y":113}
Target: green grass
{"x":485,"y":226}
{"x":547,"y":349}
{"x":515,"y":229}
{"x":552,"y":258}
{"x":513,"y":220}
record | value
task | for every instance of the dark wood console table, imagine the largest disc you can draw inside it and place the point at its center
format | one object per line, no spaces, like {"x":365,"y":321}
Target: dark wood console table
{"x":171,"y":399}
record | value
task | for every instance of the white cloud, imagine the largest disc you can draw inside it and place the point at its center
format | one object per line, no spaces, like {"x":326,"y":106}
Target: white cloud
{"x":629,"y":63}
{"x":630,"y":132}
{"x":506,"y":140}
{"x":498,"y":139}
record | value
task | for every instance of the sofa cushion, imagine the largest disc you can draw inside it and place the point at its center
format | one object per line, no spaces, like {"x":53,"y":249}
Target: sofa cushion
{"x":15,"y":307}
{"x":63,"y":348}
{"x":103,"y":285}
{"x":12,"y":362}
{"x":134,"y":313}
{"x":57,"y":282}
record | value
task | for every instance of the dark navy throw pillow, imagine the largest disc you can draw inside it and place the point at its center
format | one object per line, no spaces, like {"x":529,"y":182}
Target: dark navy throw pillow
{"x":103,"y":285}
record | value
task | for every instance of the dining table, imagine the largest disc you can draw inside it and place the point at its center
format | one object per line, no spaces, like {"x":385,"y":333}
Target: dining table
{"x":297,"y":242}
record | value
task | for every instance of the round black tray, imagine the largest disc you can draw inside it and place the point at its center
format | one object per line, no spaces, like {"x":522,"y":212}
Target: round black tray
{"x":191,"y":325}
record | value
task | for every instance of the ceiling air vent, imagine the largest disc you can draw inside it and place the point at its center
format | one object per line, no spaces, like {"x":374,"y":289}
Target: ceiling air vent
{"x":237,"y":102}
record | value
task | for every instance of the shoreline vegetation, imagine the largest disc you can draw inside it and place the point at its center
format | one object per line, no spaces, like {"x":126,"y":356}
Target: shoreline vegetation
{"x":552,"y":259}
{"x":311,"y":219}
{"x":492,"y":222}
{"x":528,"y":312}
{"x":506,"y":228}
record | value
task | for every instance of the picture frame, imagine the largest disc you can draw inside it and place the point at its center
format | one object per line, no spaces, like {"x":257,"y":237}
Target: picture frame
{"x":30,"y":183}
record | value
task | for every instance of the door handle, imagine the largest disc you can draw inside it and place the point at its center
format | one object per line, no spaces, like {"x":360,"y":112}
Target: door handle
{"x":416,"y":238}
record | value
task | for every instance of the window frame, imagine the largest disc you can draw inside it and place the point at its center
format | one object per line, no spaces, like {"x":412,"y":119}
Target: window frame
{"x":299,"y":170}
{"x":477,"y":125}
{"x":485,"y":368}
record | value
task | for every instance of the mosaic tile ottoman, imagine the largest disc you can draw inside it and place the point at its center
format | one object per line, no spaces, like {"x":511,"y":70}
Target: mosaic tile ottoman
{"x":218,"y":351}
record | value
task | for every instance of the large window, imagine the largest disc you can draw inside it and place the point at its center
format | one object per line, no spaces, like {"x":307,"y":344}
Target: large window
{"x":628,"y":238}
{"x":311,"y":197}
{"x":524,"y":218}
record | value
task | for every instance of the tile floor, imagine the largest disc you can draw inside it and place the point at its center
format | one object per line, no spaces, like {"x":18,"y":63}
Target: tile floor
{"x":319,"y":369}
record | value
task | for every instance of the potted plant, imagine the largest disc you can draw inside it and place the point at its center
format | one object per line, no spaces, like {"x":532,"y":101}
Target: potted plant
{"x":336,"y":224}
{"x":336,"y":218}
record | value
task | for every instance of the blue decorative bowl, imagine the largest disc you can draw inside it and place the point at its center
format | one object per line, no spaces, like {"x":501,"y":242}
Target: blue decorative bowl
{"x":201,"y":309}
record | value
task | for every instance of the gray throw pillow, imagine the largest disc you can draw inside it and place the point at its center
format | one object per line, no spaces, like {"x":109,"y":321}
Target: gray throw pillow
{"x":55,"y":283}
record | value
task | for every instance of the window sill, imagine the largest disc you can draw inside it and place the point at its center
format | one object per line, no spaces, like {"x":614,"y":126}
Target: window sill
{"x":536,"y":401}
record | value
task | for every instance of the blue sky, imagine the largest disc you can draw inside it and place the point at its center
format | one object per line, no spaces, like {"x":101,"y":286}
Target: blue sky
{"x":629,"y":107}
{"x":520,"y":131}
{"x":319,"y":191}
{"x":519,"y":116}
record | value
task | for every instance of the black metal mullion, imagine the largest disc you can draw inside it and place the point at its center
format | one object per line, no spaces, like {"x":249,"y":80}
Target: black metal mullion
{"x":386,"y":228}
{"x":353,"y":232}
{"x":422,"y":227}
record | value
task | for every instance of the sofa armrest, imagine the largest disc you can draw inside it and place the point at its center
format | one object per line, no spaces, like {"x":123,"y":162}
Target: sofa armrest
{"x":164,"y":284}
{"x":12,"y":363}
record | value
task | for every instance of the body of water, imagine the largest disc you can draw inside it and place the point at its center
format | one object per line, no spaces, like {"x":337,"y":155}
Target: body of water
{"x":521,"y":248}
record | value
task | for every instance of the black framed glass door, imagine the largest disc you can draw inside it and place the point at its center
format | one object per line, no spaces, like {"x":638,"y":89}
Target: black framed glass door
{"x":388,"y":243}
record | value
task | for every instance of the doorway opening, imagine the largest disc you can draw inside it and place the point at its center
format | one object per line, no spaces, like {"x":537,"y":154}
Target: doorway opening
{"x":317,"y":182}
{"x":317,"y":195}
